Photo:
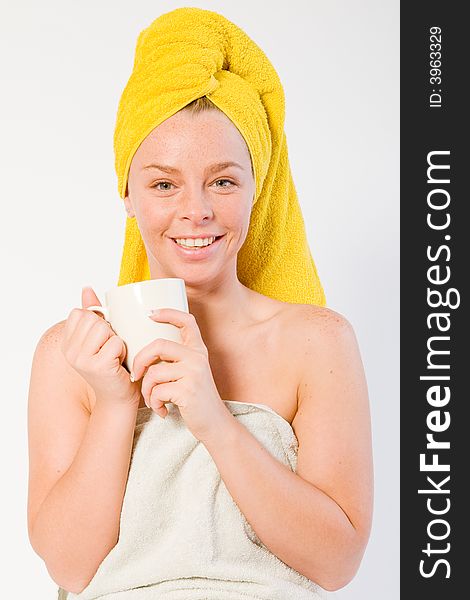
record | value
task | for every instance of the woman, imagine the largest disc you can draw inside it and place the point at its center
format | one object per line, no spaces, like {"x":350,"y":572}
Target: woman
{"x":196,"y":177}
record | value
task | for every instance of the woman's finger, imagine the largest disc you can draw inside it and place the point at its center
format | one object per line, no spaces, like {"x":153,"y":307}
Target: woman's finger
{"x":163,"y":372}
{"x":89,"y":298}
{"x":186,"y":322}
{"x":159,"y":349}
{"x":79,"y":322}
{"x":97,"y":335}
{"x":88,"y":321}
{"x":165,"y":392}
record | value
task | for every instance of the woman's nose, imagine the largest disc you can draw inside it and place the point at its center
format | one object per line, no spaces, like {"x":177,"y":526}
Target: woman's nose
{"x":195,"y":206}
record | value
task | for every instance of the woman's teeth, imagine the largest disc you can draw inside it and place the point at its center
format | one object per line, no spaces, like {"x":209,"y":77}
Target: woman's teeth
{"x":190,"y":242}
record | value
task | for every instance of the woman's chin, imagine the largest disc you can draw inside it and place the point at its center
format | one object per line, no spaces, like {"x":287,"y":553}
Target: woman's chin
{"x":193,"y":279}
{"x":193,"y":274}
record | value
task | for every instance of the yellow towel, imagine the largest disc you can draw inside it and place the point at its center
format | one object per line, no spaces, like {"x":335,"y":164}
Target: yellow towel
{"x":189,"y":53}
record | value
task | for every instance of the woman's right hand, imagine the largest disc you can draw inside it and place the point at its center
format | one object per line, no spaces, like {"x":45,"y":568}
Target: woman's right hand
{"x":96,"y":352}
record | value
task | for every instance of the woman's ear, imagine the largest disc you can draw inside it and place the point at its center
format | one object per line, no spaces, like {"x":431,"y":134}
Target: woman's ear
{"x":128,"y":205}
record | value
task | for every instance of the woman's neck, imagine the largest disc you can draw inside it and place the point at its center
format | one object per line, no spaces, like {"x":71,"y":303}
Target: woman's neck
{"x":220,"y":309}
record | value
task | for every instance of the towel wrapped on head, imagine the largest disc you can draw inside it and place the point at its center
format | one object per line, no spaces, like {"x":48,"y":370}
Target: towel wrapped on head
{"x":189,"y":53}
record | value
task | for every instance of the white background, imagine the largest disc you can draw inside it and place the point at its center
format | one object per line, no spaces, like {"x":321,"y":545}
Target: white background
{"x":64,"y":65}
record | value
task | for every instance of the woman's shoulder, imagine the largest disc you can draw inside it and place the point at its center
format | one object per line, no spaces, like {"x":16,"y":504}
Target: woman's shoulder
{"x":313,"y":318}
{"x":292,"y":319}
{"x":308,"y":331}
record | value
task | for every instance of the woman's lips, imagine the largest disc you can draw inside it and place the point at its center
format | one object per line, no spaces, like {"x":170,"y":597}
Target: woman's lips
{"x":200,"y":252}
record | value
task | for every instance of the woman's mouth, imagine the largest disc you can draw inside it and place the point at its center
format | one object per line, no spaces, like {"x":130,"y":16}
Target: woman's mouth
{"x":186,"y":248}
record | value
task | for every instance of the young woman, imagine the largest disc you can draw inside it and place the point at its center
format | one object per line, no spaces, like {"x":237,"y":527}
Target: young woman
{"x":190,"y":187}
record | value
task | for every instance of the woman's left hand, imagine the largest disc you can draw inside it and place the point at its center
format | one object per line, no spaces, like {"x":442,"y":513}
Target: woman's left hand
{"x":186,"y":381}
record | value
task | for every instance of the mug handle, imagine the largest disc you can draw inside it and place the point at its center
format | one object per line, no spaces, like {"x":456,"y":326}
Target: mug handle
{"x":102,"y":309}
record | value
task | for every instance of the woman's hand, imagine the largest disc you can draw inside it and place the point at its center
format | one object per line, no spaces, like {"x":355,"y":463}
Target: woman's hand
{"x":96,"y":352}
{"x":185,"y":381}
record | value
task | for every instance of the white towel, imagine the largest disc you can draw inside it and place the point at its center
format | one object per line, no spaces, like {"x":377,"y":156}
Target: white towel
{"x":182,"y":536}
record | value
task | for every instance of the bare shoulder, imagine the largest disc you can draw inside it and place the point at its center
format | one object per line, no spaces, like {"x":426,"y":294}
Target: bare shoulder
{"x":326,"y":346}
{"x":310,"y":329}
{"x":305,"y":332}
{"x":318,"y":319}
{"x":51,"y":339}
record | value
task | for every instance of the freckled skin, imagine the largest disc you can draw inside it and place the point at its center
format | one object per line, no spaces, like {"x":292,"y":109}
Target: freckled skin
{"x":192,"y":202}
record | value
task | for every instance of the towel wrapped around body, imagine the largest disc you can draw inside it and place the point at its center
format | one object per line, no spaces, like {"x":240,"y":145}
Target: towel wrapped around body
{"x":182,"y":536}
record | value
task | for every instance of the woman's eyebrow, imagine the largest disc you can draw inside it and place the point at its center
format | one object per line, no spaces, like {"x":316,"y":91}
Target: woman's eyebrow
{"x":211,"y":169}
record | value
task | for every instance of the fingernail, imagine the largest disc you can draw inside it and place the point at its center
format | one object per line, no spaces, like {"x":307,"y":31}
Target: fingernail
{"x":132,"y":377}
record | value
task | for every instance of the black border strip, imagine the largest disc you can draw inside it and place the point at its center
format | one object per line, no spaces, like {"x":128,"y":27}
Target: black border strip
{"x":434,"y":270}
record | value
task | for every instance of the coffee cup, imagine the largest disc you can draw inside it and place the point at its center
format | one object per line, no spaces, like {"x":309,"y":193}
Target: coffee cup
{"x":126,"y":309}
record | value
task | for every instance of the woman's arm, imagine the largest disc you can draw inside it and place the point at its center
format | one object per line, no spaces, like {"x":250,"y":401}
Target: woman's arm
{"x":78,"y":468}
{"x":318,"y":519}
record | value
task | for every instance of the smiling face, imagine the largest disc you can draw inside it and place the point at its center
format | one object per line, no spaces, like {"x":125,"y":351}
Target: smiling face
{"x":195,"y":192}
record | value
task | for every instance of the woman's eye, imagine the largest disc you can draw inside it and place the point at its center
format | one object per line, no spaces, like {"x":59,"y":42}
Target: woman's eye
{"x":162,"y":183}
{"x":227,"y":180}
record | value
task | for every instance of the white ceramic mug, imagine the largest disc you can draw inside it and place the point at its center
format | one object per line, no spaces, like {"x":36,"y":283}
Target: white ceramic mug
{"x":127,"y":306}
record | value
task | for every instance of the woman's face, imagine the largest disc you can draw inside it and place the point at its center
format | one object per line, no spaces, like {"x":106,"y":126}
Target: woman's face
{"x":179,"y":188}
